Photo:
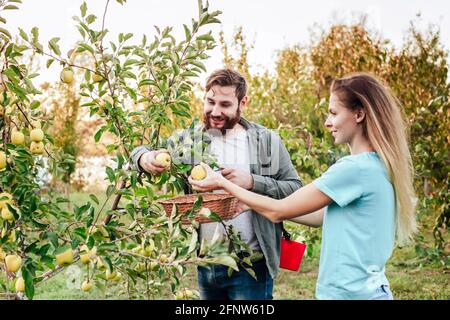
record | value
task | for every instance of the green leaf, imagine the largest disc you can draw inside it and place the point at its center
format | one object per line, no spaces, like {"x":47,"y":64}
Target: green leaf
{"x":35,"y":33}
{"x":98,"y":135}
{"x":90,"y":242}
{"x":23,"y":34}
{"x":94,"y":198}
{"x":187,"y":33}
{"x":10,"y":7}
{"x":181,"y":113}
{"x":104,"y":248}
{"x":110,"y":190}
{"x":35,"y":104}
{"x":193,"y":243}
{"x":53,"y":237}
{"x":49,"y":62}
{"x":5,"y":32}
{"x":29,"y":283}
{"x":127,"y":36}
{"x":39,"y":224}
{"x":198,"y":64}
{"x":130,"y":62}
{"x":53,"y":45}
{"x":110,"y":173}
{"x":131,"y":93}
{"x":197,"y":204}
{"x":128,"y":74}
{"x":91,"y":18}
{"x":9,"y":50}
{"x":205,"y":37}
{"x":176,"y":69}
{"x":140,"y":192}
{"x":226,"y":261}
{"x":188,"y":74}
{"x":83,"y":9}
{"x":90,"y":217}
{"x":85,"y":47}
{"x":81,"y":31}
{"x":215,"y":217}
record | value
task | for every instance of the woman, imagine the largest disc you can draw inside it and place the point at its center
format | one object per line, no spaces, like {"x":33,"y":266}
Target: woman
{"x":368,"y":196}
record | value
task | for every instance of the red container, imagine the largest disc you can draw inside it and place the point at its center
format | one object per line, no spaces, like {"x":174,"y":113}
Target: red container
{"x":291,"y":254}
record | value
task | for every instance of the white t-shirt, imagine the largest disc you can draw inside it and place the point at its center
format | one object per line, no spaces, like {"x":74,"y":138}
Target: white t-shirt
{"x":232,"y":152}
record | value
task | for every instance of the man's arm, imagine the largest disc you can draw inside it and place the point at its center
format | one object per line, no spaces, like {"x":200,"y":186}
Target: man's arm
{"x":143,"y":157}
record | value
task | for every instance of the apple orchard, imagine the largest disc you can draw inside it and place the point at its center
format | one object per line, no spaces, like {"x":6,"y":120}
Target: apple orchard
{"x":141,"y":89}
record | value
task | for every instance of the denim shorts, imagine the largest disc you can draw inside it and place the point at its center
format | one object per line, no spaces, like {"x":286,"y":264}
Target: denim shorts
{"x":383,"y":293}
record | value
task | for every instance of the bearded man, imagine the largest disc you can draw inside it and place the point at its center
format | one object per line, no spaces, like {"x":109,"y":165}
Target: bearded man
{"x":252,"y":157}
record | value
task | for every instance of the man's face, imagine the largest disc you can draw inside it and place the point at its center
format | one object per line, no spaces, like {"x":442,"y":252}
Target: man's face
{"x":222,"y":110}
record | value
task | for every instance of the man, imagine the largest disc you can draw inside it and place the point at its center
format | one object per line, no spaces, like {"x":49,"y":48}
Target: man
{"x":254,"y":158}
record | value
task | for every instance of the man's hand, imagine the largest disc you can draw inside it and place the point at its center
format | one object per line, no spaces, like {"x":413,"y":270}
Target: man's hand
{"x":238,"y":177}
{"x":148,"y":163}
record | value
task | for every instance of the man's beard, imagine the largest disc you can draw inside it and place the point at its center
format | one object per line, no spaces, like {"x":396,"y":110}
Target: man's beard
{"x":228,"y":124}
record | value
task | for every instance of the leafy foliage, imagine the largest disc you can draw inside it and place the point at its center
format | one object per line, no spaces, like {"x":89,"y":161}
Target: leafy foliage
{"x":137,"y":90}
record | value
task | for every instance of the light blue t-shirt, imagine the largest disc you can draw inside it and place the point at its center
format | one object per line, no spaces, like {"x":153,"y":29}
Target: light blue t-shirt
{"x":358,"y":228}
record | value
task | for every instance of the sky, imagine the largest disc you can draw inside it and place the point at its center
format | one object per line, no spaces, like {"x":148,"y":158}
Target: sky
{"x":271,"y":25}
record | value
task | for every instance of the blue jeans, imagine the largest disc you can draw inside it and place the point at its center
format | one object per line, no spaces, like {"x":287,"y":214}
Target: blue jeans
{"x":214,"y":283}
{"x":383,"y":293}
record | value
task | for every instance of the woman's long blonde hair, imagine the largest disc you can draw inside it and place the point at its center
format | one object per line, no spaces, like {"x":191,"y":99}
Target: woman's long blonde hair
{"x":385,"y":129}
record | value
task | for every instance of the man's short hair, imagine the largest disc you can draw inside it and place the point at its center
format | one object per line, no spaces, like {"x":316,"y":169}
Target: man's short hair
{"x":228,"y":78}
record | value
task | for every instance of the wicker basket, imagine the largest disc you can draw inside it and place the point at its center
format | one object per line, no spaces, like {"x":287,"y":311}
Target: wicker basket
{"x":221,"y":203}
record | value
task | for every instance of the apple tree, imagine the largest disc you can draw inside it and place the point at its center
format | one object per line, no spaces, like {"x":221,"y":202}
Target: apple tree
{"x":138,"y":90}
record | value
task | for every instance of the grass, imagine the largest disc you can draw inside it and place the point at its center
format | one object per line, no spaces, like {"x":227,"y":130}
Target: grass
{"x":409,"y":281}
{"x":418,"y":283}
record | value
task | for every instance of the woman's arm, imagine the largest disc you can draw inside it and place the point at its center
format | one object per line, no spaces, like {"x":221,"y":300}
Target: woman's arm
{"x":314,"y":219}
{"x":305,"y":200}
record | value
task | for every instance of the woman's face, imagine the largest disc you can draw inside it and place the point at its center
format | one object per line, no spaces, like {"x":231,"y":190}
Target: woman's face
{"x":342,"y":122}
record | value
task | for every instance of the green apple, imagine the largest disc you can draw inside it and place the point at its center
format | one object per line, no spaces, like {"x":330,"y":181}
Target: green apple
{"x":17,"y":138}
{"x":20,"y":285}
{"x":7,"y":214}
{"x":67,"y":75}
{"x":37,"y":135}
{"x":2,"y":160}
{"x":86,"y":286}
{"x":5,"y":198}
{"x":65,"y":258}
{"x":13,"y":263}
{"x":37,"y":147}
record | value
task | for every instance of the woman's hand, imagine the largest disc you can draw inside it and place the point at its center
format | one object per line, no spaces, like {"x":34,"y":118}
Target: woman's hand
{"x":213,"y":180}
